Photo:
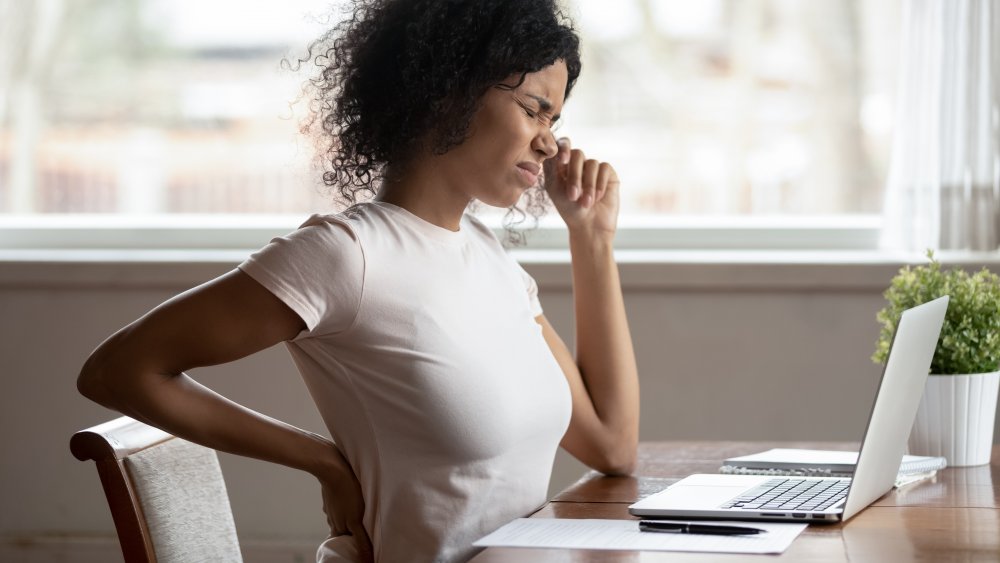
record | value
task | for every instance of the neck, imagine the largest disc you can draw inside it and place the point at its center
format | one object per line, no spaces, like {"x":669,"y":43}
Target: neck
{"x":423,"y":189}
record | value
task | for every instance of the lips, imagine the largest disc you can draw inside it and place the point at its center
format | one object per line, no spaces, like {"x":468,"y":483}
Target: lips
{"x":529,"y":170}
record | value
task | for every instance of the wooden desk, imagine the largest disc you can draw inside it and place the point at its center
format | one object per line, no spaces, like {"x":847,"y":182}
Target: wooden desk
{"x":953,"y":517}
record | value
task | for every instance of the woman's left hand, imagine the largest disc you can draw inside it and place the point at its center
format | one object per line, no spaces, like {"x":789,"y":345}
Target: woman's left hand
{"x":585,"y":192}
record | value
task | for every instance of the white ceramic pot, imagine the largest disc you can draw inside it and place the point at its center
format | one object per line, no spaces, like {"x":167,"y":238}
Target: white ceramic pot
{"x":955,"y":418}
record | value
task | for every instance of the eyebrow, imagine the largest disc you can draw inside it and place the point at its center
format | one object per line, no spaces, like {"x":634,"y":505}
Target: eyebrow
{"x":544,"y":104}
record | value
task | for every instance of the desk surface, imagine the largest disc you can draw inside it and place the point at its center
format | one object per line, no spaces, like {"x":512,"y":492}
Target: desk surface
{"x":954,"y":516}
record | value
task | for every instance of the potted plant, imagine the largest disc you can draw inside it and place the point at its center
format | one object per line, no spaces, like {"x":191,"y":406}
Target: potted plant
{"x":956,"y":414}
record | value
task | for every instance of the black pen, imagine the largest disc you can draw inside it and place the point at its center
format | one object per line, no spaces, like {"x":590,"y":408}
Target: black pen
{"x":696,"y":528}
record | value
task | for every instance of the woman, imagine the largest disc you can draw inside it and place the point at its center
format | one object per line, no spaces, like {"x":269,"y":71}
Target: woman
{"x":445,"y":389}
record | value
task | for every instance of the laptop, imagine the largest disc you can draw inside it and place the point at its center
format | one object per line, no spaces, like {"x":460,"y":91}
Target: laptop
{"x":818,"y":499}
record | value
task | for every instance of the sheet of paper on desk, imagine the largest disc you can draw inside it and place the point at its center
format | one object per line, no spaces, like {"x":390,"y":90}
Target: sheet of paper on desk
{"x":566,"y":533}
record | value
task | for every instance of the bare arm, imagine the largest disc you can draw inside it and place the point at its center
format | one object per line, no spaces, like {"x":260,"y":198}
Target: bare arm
{"x":604,"y":429}
{"x":139,"y":371}
{"x":603,"y":378}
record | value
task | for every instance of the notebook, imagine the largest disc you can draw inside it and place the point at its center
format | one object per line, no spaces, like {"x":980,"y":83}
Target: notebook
{"x":758,"y":497}
{"x":818,"y":463}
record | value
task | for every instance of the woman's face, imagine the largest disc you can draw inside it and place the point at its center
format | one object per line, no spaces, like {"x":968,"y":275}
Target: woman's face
{"x":509,"y":138}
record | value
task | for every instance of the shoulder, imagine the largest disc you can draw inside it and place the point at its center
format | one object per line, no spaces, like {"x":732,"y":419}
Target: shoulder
{"x":325,"y":227}
{"x":359,"y":223}
{"x":479,"y":230}
{"x":321,"y":239}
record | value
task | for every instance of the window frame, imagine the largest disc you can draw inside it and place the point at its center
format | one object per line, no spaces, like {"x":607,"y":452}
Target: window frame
{"x":210,"y":232}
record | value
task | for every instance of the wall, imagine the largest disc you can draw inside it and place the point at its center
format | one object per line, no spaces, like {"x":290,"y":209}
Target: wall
{"x":729,"y":347}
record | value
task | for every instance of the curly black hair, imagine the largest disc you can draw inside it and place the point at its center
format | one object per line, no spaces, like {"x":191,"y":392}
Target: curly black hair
{"x":396,"y":73}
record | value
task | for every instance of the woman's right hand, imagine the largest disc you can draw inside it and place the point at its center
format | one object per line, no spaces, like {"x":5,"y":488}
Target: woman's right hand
{"x":344,"y":504}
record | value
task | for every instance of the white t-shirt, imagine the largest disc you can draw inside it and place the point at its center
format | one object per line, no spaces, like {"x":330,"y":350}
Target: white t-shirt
{"x":424,"y":358}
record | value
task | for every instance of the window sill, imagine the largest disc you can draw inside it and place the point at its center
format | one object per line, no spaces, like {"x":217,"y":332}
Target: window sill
{"x":239,"y":232}
{"x":678,"y":270}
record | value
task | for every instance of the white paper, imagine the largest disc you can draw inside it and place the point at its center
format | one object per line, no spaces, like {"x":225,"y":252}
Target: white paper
{"x":566,"y":533}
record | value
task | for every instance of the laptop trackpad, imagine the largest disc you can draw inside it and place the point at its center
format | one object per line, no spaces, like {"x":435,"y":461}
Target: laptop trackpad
{"x":700,"y":491}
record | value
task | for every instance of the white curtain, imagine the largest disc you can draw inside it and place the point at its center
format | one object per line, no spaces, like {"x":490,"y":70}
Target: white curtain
{"x":943,"y":190}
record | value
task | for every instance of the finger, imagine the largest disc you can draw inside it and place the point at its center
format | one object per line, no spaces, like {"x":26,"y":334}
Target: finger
{"x":574,"y":172}
{"x":562,"y":158}
{"x":363,"y":542}
{"x":329,"y":517}
{"x":337,"y":521}
{"x":605,"y":173}
{"x":589,"y":182}
{"x":555,"y":168}
{"x":337,"y":527}
{"x":565,"y":146}
{"x":550,"y":169}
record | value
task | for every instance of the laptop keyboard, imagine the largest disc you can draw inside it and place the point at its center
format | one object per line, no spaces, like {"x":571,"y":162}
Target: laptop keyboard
{"x":791,"y":494}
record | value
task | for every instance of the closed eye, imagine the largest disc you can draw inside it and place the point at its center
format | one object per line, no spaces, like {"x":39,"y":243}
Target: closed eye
{"x":537,"y":115}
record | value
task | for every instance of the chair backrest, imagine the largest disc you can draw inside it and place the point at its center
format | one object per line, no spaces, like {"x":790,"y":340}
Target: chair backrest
{"x":167,"y":495}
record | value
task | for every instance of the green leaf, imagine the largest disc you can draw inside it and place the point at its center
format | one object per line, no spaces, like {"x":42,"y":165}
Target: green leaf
{"x":970,"y":337}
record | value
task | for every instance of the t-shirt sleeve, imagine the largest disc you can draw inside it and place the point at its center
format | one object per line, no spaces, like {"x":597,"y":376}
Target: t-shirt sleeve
{"x":317,"y":270}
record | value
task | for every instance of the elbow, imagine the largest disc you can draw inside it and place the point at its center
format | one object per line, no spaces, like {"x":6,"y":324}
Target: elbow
{"x":621,"y":467}
{"x":91,"y":383}
{"x":95,"y":380}
{"x":620,"y":461}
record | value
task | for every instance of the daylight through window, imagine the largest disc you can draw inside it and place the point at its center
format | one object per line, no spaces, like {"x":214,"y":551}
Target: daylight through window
{"x":714,"y":107}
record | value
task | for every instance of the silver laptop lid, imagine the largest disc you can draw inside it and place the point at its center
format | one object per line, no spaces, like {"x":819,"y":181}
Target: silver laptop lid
{"x":896,"y":402}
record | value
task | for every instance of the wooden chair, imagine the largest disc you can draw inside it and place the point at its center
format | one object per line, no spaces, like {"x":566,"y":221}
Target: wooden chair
{"x":166,"y":495}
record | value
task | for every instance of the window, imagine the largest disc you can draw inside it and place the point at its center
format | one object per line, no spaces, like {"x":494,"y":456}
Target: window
{"x":758,"y":110}
{"x":739,"y":107}
{"x":155,"y":106}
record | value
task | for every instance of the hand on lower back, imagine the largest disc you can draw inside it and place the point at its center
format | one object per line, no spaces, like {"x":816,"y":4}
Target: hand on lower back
{"x":344,"y":505}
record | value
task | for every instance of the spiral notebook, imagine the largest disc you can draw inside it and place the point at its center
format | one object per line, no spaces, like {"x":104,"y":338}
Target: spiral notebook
{"x":821,"y":463}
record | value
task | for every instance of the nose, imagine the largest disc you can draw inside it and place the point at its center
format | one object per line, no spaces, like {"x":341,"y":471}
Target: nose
{"x":545,"y":144}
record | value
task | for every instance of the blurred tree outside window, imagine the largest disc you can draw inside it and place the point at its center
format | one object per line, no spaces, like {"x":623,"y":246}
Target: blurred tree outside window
{"x":713,"y":107}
